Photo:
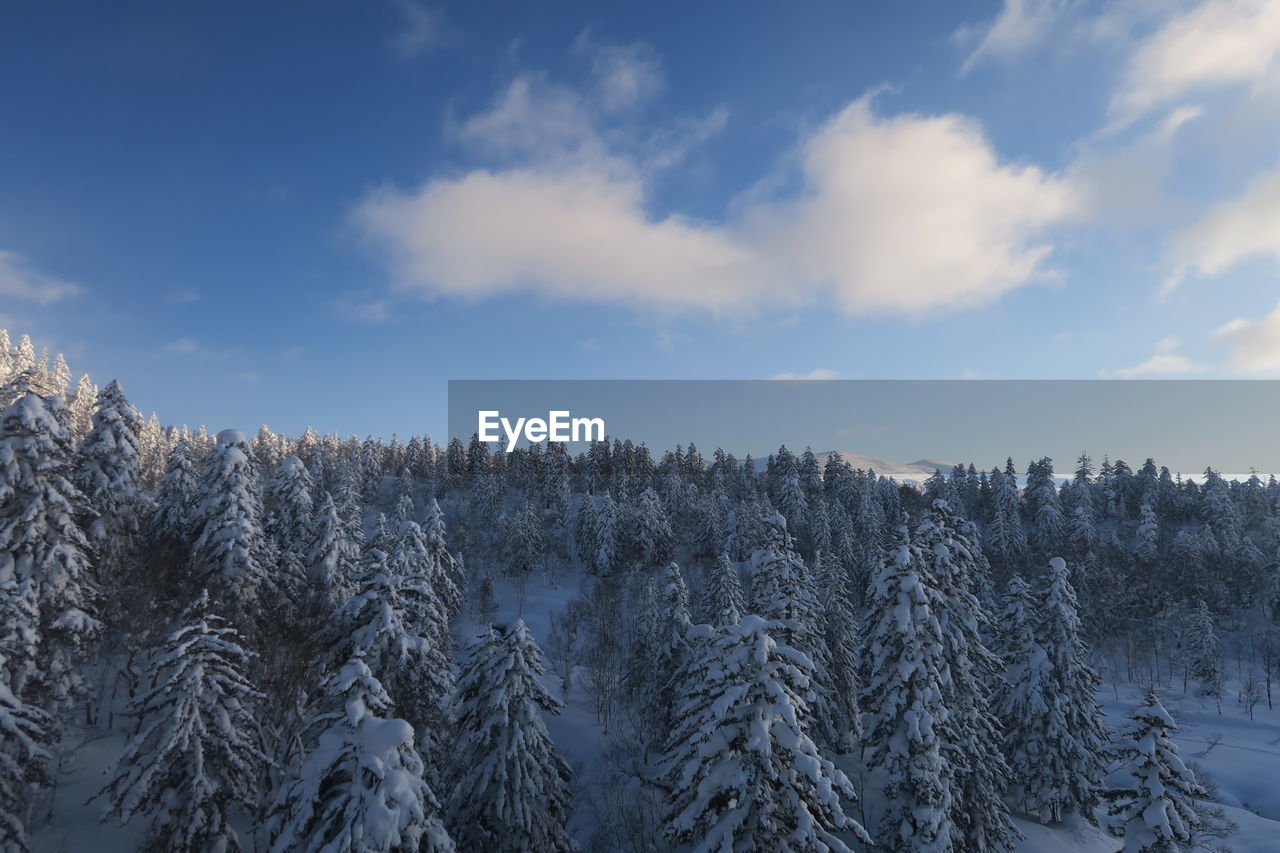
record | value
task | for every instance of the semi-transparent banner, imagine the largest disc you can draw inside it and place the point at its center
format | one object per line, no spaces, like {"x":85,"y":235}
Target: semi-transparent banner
{"x":908,"y":425}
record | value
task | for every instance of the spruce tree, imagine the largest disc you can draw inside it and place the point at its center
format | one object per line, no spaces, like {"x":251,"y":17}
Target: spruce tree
{"x":197,"y":752}
{"x":742,"y":770}
{"x":228,"y":556}
{"x":110,"y":473}
{"x":26,"y":734}
{"x":510,"y":790}
{"x":906,"y":718}
{"x":723,"y":602}
{"x":1158,"y":813}
{"x":44,"y":553}
{"x":971,"y":733}
{"x":361,"y":788}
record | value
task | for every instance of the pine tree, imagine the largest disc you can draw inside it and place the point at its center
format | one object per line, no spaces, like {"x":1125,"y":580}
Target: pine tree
{"x":171,"y":519}
{"x":1204,"y":652}
{"x":1054,"y":733}
{"x":26,"y":734}
{"x":903,"y":701}
{"x":1159,"y":812}
{"x":511,"y":789}
{"x":110,"y":472}
{"x":228,"y":555}
{"x":287,"y":526}
{"x":723,"y":602}
{"x":44,"y":553}
{"x":843,"y":640}
{"x":651,"y":531}
{"x":743,"y":773}
{"x":361,"y":788}
{"x":393,"y":624}
{"x":197,"y":752}
{"x":971,"y":733}
{"x":331,"y":558}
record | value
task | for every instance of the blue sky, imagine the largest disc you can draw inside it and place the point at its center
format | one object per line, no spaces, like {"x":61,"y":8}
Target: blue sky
{"x":318,"y":214}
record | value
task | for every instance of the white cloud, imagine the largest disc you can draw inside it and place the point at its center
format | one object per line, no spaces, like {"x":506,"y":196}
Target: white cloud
{"x":624,"y":75}
{"x":532,"y":118}
{"x":819,"y":373}
{"x":1020,"y":26}
{"x":1165,"y":362}
{"x":19,"y":281}
{"x":182,"y":346}
{"x":1229,"y":232}
{"x":1252,"y":345}
{"x":896,"y":215}
{"x":1217,"y":43}
{"x":911,"y":212}
{"x":422,"y":27}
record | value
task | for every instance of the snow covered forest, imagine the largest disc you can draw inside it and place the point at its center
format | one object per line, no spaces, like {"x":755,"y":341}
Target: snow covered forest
{"x":215,"y":643}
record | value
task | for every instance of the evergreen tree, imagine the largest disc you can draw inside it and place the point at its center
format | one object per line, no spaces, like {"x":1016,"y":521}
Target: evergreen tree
{"x":332,"y":559}
{"x":171,"y":519}
{"x":228,"y":555}
{"x":1054,"y":734}
{"x":1158,"y":813}
{"x":197,"y":752}
{"x":393,"y":624}
{"x":1204,"y":652}
{"x":361,"y":788}
{"x":26,"y":733}
{"x":110,"y":472}
{"x":906,"y":719}
{"x":723,"y":602}
{"x":971,"y":732}
{"x":743,"y":773}
{"x":44,"y":553}
{"x":511,"y":789}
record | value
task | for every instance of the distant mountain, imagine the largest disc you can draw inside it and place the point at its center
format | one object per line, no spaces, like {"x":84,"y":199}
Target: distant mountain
{"x":904,"y":472}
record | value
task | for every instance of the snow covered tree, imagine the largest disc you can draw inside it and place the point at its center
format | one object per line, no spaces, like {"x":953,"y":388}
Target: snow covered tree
{"x":228,"y":555}
{"x":651,"y":535}
{"x":841,"y":632}
{"x":906,"y":719}
{"x":1158,"y":813}
{"x":526,"y":544}
{"x":361,"y":787}
{"x":290,"y":504}
{"x":197,"y":751}
{"x":171,"y":519}
{"x":82,"y":403}
{"x":1054,"y":734}
{"x":26,"y":733}
{"x":394,"y":625}
{"x":44,"y":553}
{"x":447,"y":575}
{"x":743,"y":773}
{"x":723,"y":602}
{"x":971,"y":733}
{"x":1204,"y":652}
{"x":331,"y":557}
{"x":510,"y":789}
{"x":110,"y":473}
{"x":1005,"y":536}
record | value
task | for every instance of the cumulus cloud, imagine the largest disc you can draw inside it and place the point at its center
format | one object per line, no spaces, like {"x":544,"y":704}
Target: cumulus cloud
{"x":1230,"y":231}
{"x":1165,"y":362}
{"x":907,"y":213}
{"x":1251,"y":345}
{"x":19,"y":281}
{"x":895,"y":215}
{"x":1217,"y":43}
